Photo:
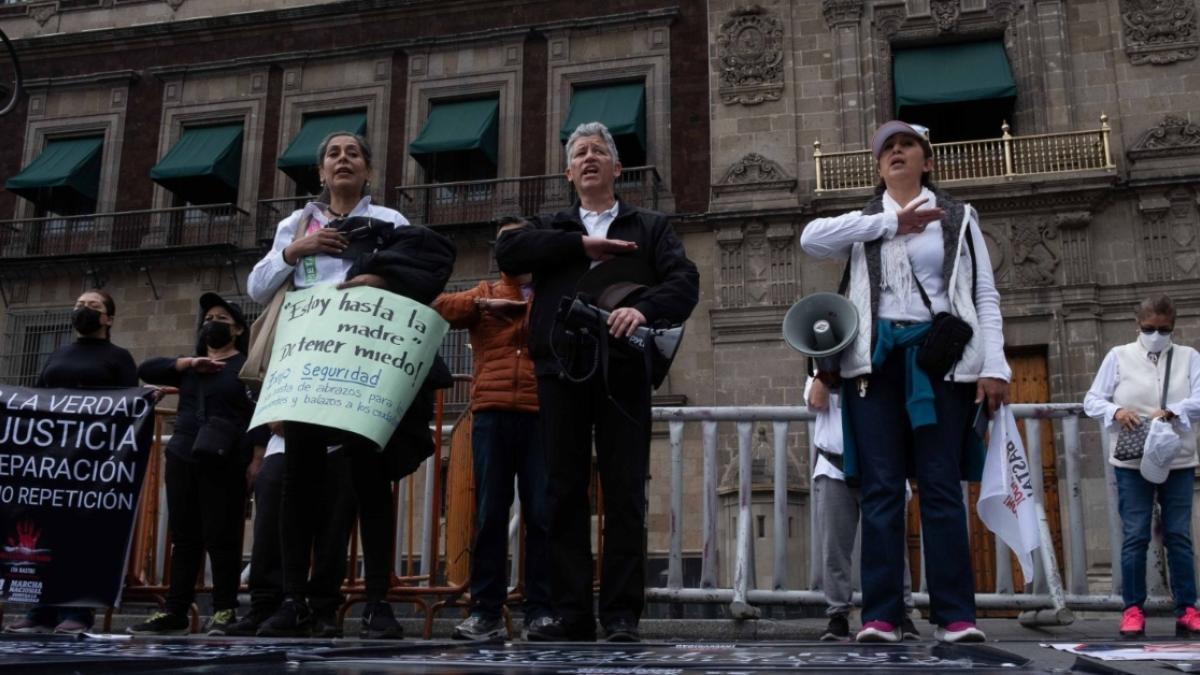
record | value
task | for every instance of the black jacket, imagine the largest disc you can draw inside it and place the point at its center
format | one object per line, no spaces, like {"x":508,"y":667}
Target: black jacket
{"x":553,"y":250}
{"x":416,"y":262}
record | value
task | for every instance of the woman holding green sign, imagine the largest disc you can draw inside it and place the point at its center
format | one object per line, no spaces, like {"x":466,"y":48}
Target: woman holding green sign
{"x":321,"y":244}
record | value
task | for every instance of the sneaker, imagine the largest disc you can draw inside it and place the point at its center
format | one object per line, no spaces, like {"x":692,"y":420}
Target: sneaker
{"x":162,"y":623}
{"x":27,"y":626}
{"x":622,"y":630}
{"x":72,"y":627}
{"x":878,"y":631}
{"x":838,"y":629}
{"x":220,"y":622}
{"x":378,"y":622}
{"x":908,"y":630}
{"x":1186,"y":624}
{"x":1133,"y":622}
{"x":292,"y":619}
{"x":544,"y":629}
{"x":959,"y":631}
{"x":247,"y":626}
{"x":479,"y":628}
{"x":325,"y":624}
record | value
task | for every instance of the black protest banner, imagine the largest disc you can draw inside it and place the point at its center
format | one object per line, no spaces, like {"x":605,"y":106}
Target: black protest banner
{"x":71,"y":469}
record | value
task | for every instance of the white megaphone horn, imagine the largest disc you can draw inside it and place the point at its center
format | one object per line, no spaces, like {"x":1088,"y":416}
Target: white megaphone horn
{"x":820,"y":326}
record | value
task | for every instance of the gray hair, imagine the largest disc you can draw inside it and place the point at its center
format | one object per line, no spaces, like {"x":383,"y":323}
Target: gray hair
{"x":592,"y":129}
{"x":1156,"y":304}
{"x":362,"y":145}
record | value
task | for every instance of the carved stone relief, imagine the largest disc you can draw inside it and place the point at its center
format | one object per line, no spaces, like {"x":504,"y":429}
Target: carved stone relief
{"x":754,"y":172}
{"x":842,"y":12}
{"x":758,"y":266}
{"x":945,"y":15}
{"x":1170,"y":246}
{"x":1171,"y":137}
{"x":1035,"y":249}
{"x":1159,"y":31}
{"x":41,"y":12}
{"x":1076,"y":246}
{"x":750,"y":57}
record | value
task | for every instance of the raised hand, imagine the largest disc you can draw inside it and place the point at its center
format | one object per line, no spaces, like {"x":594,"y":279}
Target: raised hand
{"x":911,"y":221}
{"x":599,"y":248}
{"x":325,"y":240}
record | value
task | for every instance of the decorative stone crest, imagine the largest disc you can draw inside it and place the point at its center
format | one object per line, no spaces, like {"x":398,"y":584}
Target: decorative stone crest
{"x":750,"y":57}
{"x":842,"y":12}
{"x":1171,"y":137}
{"x":945,"y":14}
{"x":41,"y":12}
{"x":1034,"y":254}
{"x":1159,"y":31}
{"x":1003,"y":10}
{"x":754,"y":172}
{"x":889,"y":20}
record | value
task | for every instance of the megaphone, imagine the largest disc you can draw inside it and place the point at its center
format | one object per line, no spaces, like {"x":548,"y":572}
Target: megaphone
{"x":660,"y":343}
{"x":820,"y":326}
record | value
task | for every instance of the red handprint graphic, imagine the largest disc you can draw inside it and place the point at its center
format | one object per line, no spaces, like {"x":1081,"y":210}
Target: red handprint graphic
{"x":27,"y":536}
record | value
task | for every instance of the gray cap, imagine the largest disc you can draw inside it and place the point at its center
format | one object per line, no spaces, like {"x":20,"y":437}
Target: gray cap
{"x":894,"y":127}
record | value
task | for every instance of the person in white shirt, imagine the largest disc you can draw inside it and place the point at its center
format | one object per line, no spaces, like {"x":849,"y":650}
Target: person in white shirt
{"x":912,"y":252}
{"x":308,"y":250}
{"x":1127,"y":393}
{"x":838,"y":507}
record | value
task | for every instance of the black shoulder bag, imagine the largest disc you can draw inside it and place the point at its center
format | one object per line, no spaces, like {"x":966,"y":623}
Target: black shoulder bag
{"x":1131,"y":443}
{"x":218,"y":437}
{"x":948,"y":336}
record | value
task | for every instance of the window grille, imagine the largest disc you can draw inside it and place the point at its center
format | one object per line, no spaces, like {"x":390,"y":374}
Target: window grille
{"x":29,"y":339}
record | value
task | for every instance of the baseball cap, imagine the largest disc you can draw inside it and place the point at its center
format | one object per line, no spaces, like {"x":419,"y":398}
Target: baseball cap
{"x":889,"y":129}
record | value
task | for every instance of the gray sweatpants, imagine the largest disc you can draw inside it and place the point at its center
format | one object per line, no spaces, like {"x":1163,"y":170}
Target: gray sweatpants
{"x":838,"y":507}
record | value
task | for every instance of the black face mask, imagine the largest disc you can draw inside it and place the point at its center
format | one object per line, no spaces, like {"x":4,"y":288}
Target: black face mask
{"x":216,"y":334}
{"x":85,"y":320}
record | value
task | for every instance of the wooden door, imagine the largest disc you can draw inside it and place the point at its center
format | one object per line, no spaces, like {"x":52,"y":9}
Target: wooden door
{"x":1030,"y":384}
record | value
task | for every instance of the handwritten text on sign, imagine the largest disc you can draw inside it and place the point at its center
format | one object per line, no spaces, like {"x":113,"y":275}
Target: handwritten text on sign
{"x":351,"y":359}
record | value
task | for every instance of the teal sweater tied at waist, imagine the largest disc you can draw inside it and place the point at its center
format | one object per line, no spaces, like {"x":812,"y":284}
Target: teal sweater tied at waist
{"x":919,"y":400}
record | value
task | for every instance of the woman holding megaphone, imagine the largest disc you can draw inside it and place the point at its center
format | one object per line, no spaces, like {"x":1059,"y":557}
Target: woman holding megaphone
{"x":928,"y":354}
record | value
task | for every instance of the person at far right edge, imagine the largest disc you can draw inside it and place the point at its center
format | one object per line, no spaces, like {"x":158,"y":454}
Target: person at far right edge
{"x":914,"y":252}
{"x":614,"y":401}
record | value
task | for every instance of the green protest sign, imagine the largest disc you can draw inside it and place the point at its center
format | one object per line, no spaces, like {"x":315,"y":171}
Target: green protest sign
{"x":351,"y":359}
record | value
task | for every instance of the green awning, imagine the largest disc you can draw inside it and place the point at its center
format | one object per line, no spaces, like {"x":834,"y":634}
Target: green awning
{"x":299,"y":161}
{"x":970,"y":71}
{"x":620,"y":107}
{"x":459,"y":126}
{"x":68,"y":169}
{"x":204,"y":165}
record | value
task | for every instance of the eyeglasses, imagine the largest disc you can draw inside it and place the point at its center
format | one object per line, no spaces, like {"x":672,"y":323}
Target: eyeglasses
{"x":1150,"y":330}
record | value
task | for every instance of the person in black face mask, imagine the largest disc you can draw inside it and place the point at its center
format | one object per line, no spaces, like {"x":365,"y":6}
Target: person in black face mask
{"x":92,"y":361}
{"x":206,"y":479}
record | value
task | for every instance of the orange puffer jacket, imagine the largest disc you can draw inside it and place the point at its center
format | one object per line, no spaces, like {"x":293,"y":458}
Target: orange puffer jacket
{"x":504,"y":378}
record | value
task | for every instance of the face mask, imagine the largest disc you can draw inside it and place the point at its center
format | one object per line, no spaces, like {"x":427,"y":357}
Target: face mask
{"x":216,"y":334}
{"x":1154,"y":342}
{"x":85,"y":320}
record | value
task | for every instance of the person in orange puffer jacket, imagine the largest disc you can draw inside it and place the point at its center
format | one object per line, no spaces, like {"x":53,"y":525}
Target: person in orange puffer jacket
{"x":505,"y":442}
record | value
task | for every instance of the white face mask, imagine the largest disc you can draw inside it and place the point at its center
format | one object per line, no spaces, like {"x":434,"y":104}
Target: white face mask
{"x":1154,"y":342}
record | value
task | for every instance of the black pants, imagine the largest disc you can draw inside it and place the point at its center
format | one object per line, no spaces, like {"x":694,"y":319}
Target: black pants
{"x":569,"y":413}
{"x":205,"y":510}
{"x":306,"y":463}
{"x":329,"y":558}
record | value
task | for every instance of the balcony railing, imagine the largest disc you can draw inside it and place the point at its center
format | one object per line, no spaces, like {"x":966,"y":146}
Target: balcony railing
{"x":483,"y":200}
{"x":271,"y":211}
{"x":125,"y":231}
{"x":1005,"y":157}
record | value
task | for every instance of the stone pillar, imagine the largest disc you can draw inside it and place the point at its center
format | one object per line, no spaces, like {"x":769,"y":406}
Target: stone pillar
{"x":844,"y":18}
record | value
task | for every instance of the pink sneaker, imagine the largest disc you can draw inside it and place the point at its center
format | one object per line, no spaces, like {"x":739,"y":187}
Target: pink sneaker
{"x":959,"y":631}
{"x":1187,"y":624}
{"x":878,"y":631}
{"x":1133,"y":622}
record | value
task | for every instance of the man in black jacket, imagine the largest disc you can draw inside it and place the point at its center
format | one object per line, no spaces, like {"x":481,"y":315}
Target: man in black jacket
{"x":614,"y":401}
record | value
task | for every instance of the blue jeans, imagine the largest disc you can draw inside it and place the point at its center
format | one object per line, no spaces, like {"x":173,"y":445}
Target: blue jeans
{"x":1135,"y":503}
{"x":888,"y":448}
{"x":505,"y":444}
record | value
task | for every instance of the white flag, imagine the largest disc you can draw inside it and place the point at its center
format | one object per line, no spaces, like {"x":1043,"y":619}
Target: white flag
{"x":1006,"y":503}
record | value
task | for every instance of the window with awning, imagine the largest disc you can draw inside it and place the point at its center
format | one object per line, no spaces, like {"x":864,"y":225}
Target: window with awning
{"x":621,"y":107}
{"x":459,"y":140}
{"x":64,"y":178}
{"x":204,"y":166}
{"x":960,"y":91}
{"x":299,"y":160}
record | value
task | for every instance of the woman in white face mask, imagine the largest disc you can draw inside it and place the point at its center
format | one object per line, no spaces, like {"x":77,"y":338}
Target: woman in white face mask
{"x":1152,"y":378}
